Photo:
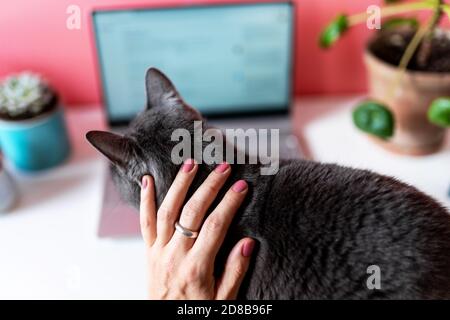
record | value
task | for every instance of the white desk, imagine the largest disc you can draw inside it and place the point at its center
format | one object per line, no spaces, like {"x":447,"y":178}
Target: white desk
{"x":48,"y":244}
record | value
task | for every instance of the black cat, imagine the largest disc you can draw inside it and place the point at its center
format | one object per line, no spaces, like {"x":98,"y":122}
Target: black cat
{"x":319,"y":227}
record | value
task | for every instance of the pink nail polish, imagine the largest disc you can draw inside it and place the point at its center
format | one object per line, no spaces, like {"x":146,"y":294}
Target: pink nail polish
{"x":240,"y":186}
{"x":144,"y":182}
{"x":188,"y":165}
{"x":221,"y":168}
{"x":247,"y":248}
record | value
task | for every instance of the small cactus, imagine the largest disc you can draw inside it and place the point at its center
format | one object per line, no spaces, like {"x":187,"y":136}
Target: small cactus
{"x":24,"y":96}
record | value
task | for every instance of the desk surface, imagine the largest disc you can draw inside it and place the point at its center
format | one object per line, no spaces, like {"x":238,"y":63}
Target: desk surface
{"x":49,"y":246}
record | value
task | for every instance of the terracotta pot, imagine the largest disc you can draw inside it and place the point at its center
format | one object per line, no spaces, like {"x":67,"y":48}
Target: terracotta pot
{"x":414,"y":134}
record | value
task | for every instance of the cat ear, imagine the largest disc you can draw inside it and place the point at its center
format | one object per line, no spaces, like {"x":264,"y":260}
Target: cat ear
{"x":160,"y":90}
{"x":117,"y":149}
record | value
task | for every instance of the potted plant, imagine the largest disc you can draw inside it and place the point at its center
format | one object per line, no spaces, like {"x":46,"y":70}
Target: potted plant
{"x":32,"y":129}
{"x":409,"y":76}
{"x":8,"y":191}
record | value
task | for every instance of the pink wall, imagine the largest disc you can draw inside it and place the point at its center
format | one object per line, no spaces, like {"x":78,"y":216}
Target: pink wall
{"x":33,"y":36}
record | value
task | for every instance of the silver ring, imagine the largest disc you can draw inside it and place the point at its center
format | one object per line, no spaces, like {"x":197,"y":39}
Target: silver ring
{"x":185,"y":232}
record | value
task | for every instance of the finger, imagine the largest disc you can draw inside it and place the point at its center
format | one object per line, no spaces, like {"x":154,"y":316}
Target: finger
{"x":147,"y":212}
{"x":171,"y":205}
{"x":216,"y":225}
{"x":235,"y":270}
{"x":195,"y":209}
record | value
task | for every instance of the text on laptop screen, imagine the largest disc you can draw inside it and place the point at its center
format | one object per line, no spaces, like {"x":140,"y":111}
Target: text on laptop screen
{"x":223,"y":59}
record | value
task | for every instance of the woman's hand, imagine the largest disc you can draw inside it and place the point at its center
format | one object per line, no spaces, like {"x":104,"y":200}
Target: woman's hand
{"x":182,"y":267}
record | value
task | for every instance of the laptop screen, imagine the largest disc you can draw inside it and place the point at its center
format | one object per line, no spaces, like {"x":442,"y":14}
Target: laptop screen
{"x":223,"y":59}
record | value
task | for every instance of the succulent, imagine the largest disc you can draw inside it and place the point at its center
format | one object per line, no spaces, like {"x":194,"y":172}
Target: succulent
{"x":24,"y":95}
{"x":372,"y":116}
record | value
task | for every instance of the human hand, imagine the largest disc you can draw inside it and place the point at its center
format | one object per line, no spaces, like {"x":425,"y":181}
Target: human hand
{"x":181,"y":267}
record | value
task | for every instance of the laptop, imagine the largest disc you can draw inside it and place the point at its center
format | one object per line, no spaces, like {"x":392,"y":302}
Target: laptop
{"x":232,"y":62}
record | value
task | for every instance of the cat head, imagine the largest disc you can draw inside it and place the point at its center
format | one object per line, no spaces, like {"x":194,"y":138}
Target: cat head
{"x":146,"y":146}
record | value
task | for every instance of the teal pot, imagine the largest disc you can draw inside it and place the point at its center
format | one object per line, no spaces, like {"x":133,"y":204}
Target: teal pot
{"x":35,"y":144}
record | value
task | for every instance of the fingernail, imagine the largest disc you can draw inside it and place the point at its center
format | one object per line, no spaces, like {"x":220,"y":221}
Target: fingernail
{"x":221,"y":168}
{"x":144,"y":182}
{"x":188,"y":165}
{"x":247,"y":248}
{"x":240,"y":186}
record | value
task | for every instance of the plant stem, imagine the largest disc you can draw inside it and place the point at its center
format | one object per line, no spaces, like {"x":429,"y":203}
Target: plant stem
{"x":446,"y":9}
{"x":425,"y":49}
{"x":409,"y":53}
{"x":413,"y":45}
{"x":394,"y":10}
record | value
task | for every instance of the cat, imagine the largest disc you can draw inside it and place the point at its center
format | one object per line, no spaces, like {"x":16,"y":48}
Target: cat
{"x":320,"y":228}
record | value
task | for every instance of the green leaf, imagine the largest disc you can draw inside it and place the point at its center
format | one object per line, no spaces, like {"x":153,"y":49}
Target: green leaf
{"x":334,"y":31}
{"x":399,"y":22}
{"x":374,"y":118}
{"x":391,"y":1}
{"x":439,"y":112}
